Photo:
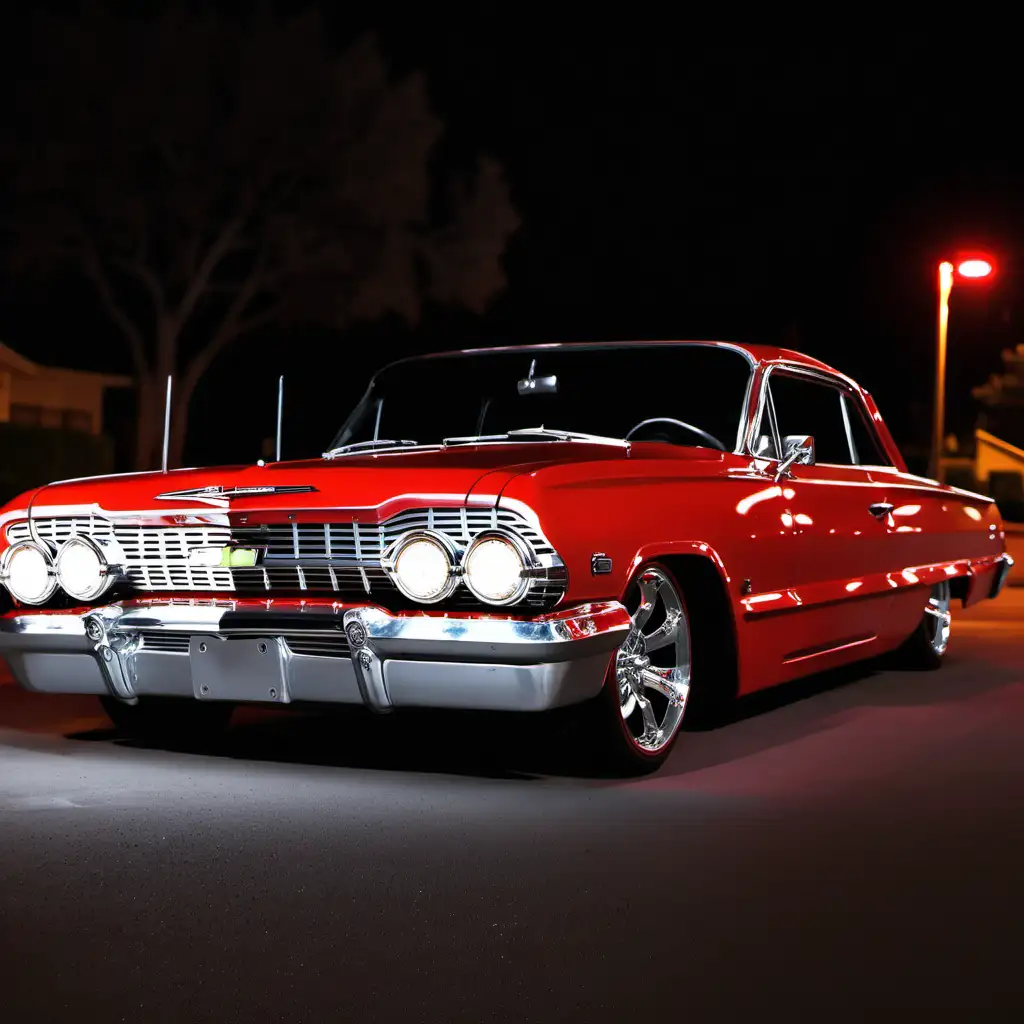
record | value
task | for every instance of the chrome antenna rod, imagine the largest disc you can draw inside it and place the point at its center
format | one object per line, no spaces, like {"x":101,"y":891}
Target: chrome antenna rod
{"x":280,"y":411}
{"x":167,"y":423}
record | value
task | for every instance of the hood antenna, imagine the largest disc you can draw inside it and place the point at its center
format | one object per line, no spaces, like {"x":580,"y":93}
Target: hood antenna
{"x":167,"y":423}
{"x":280,"y":410}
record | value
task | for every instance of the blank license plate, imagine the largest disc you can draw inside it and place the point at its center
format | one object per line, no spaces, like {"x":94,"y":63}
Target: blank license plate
{"x":242,"y":669}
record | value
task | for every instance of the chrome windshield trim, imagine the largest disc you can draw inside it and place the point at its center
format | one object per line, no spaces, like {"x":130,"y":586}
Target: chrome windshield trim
{"x":755,"y":415}
{"x":594,"y":346}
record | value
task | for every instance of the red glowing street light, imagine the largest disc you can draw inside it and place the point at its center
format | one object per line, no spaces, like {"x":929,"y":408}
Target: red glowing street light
{"x":971,"y":268}
{"x":975,"y":267}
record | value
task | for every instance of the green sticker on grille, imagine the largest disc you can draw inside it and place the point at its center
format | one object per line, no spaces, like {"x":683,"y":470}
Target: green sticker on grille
{"x":238,"y":558}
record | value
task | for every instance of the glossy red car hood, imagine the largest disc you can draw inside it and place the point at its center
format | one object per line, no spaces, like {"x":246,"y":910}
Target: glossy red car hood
{"x":382,"y":484}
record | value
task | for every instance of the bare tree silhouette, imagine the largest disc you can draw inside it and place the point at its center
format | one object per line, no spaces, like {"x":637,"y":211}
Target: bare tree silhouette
{"x":210,"y":178}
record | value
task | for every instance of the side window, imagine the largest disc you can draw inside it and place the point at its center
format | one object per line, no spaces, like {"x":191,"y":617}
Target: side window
{"x":867,"y":448}
{"x":805,"y":406}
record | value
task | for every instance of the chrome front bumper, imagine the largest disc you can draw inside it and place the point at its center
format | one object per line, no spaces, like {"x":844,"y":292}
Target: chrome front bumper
{"x":278,"y":653}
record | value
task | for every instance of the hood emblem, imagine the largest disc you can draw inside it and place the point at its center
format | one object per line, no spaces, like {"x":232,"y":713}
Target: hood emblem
{"x":217,"y":494}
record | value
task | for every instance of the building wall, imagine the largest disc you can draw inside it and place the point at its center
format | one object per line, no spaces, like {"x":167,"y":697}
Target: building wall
{"x":53,"y":398}
{"x":5,"y":395}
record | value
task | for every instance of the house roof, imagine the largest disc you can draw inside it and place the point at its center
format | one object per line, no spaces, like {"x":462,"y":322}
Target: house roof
{"x":14,"y":361}
{"x":984,"y":437}
{"x":11,"y":360}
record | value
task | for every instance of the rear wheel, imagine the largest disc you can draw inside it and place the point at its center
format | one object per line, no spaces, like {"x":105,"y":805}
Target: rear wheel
{"x":633,"y":723}
{"x":179,"y":720}
{"x":926,"y":647}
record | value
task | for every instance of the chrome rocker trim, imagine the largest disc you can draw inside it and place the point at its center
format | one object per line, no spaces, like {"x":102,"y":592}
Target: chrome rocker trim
{"x":215,"y":651}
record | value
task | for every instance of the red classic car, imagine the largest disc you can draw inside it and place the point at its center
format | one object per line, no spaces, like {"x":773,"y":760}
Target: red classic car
{"x":623,"y":530}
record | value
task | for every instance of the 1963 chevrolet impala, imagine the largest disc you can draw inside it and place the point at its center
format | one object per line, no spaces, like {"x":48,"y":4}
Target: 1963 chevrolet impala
{"x":626,"y":529}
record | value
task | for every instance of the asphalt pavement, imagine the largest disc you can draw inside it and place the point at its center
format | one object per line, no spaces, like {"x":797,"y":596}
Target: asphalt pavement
{"x":849,"y":848}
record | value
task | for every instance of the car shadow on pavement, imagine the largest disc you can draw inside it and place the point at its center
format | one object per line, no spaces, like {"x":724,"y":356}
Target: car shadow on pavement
{"x":794,"y":711}
{"x":523,"y":747}
{"x":476,"y":744}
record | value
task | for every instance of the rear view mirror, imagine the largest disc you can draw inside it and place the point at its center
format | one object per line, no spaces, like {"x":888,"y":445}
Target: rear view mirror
{"x":531,"y":385}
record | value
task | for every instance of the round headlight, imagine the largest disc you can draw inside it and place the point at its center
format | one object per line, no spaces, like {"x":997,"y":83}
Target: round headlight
{"x":421,"y":565}
{"x":496,"y":568}
{"x":81,"y":569}
{"x":28,"y":573}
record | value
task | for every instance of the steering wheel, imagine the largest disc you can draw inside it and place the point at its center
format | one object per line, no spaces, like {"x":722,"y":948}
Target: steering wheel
{"x":703,"y":434}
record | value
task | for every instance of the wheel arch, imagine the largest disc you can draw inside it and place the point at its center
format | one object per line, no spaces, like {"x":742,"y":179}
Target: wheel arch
{"x":699,"y":570}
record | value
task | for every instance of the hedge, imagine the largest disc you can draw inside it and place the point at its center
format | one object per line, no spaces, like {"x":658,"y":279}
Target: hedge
{"x":31,"y":456}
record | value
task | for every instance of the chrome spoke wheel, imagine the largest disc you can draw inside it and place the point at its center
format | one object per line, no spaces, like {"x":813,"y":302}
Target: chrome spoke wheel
{"x":937,"y":617}
{"x":652,"y":667}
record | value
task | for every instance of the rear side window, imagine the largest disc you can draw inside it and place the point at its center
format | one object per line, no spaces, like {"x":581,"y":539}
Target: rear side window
{"x":868,"y":450}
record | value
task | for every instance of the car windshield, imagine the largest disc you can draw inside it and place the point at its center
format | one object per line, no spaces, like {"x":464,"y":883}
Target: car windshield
{"x":676,"y":394}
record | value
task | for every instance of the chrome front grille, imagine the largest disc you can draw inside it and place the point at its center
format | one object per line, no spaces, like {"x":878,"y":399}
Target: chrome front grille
{"x":163,"y":642}
{"x":341,"y":559}
{"x":155,"y":557}
{"x":364,"y":542}
{"x":305,"y":643}
{"x":319,"y":645}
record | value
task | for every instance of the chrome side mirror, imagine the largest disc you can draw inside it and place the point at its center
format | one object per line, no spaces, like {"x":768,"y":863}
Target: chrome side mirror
{"x":799,"y":449}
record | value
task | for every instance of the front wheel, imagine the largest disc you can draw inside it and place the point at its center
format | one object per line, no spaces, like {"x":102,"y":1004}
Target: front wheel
{"x":633,"y":723}
{"x":177,"y":720}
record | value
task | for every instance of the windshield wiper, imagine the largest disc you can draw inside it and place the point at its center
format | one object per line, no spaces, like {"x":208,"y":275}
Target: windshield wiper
{"x":542,"y":432}
{"x":362,"y":446}
{"x":567,"y":435}
{"x":473,"y":439}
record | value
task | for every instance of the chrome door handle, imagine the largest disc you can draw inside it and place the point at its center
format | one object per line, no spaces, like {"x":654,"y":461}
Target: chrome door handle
{"x":880,"y":509}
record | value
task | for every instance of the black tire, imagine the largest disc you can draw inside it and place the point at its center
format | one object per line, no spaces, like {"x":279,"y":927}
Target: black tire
{"x":925,"y":648}
{"x":180,"y":721}
{"x":603,"y":736}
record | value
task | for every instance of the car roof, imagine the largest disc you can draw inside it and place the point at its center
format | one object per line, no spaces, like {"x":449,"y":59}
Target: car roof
{"x":754,"y":354}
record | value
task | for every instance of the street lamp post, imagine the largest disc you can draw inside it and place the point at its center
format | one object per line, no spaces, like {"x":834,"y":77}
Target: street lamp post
{"x":939,"y":405}
{"x":972,"y":269}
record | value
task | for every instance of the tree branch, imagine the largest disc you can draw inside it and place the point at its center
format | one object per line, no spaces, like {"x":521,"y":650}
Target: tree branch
{"x":217,"y":251}
{"x":150,"y":281}
{"x":98,"y":276}
{"x":257,"y":320}
{"x":233,"y":325}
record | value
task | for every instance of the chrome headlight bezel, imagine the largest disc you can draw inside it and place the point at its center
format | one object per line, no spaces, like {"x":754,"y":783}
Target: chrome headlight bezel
{"x":527,"y":558}
{"x":104,"y":575}
{"x":389,"y":563}
{"x":5,"y":571}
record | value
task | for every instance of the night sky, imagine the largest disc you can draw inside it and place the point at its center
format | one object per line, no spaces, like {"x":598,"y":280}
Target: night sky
{"x":796,"y":187}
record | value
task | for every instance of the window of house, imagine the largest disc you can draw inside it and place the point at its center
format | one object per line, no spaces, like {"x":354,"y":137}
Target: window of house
{"x":26,"y":415}
{"x":51,"y":418}
{"x":77,"y":419}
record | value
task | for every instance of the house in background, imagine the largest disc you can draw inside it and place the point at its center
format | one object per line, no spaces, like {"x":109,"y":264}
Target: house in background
{"x":32,"y":395}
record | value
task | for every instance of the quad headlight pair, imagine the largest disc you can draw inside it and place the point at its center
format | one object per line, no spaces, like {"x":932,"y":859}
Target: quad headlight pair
{"x":32,"y":575}
{"x":426,"y":568}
